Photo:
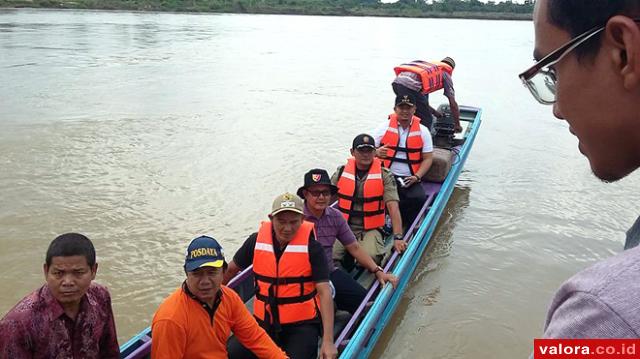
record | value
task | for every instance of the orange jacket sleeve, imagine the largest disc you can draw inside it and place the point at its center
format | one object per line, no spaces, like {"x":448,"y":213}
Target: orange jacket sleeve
{"x":169,"y":340}
{"x":250,"y":334}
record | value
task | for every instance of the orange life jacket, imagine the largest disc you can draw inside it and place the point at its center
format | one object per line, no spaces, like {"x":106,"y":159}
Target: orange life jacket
{"x":430,"y":73}
{"x":414,"y":144}
{"x":372,"y":194}
{"x":285,"y":291}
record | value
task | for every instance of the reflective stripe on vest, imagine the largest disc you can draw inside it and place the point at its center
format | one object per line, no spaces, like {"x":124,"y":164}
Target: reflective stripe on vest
{"x":430,"y":73}
{"x":285,"y":291}
{"x":371,"y":201}
{"x":413,"y":144}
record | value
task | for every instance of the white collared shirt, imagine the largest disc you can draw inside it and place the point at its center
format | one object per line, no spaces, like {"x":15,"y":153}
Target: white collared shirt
{"x":398,"y":168}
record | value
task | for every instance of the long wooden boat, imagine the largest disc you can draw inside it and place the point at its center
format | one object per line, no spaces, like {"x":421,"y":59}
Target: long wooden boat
{"x":357,"y":334}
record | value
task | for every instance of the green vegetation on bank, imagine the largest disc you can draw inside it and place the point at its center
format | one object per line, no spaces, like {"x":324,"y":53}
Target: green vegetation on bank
{"x":402,"y":8}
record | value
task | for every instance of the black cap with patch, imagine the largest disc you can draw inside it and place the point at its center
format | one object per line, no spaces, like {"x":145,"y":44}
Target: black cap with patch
{"x":405,"y":100}
{"x":363,"y":140}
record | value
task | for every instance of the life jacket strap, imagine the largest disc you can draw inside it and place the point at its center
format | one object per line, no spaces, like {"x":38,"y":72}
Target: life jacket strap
{"x":282,"y":280}
{"x":288,"y":300}
{"x":406,"y":150}
{"x":360,"y":200}
{"x":361,"y":213}
{"x":404,"y":160}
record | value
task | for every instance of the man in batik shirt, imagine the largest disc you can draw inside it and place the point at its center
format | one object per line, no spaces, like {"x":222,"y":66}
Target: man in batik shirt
{"x":69,"y":316}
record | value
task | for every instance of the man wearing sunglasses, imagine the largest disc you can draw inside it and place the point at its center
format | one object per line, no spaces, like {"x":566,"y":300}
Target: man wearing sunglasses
{"x":588,"y":68}
{"x":332,"y":228}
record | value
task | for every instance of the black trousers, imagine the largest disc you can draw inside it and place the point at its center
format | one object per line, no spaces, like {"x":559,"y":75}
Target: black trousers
{"x":349,"y":293}
{"x":422,"y":103}
{"x":411,"y":201}
{"x":298,"y":341}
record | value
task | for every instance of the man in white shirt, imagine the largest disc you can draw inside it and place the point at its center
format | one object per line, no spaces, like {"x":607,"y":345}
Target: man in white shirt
{"x":406,"y":148}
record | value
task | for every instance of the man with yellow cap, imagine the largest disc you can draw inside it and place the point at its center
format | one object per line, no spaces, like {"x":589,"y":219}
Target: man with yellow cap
{"x":196,"y":319}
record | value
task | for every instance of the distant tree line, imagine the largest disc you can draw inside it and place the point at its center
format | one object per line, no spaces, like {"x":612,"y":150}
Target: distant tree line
{"x":403,"y":8}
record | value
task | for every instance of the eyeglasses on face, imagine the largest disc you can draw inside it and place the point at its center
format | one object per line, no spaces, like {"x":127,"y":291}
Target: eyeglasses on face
{"x":541,"y":78}
{"x":316,"y":193}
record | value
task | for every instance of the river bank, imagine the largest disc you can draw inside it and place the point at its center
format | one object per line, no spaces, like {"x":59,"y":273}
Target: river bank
{"x":293,"y":7}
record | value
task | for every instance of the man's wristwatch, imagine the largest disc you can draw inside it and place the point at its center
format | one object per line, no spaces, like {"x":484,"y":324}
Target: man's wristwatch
{"x":378,"y":269}
{"x":398,"y":236}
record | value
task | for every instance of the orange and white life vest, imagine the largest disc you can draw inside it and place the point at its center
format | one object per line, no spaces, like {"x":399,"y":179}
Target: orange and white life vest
{"x":430,"y":73}
{"x":372,"y":197}
{"x":285,"y":291}
{"x":413,"y":147}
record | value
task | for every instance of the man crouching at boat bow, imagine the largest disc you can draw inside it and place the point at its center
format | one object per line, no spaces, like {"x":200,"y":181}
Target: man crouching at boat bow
{"x":292,"y":282}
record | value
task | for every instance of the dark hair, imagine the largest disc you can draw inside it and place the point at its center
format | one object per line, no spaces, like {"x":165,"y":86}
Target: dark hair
{"x":71,"y":244}
{"x":578,"y":16}
{"x":449,"y":61}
